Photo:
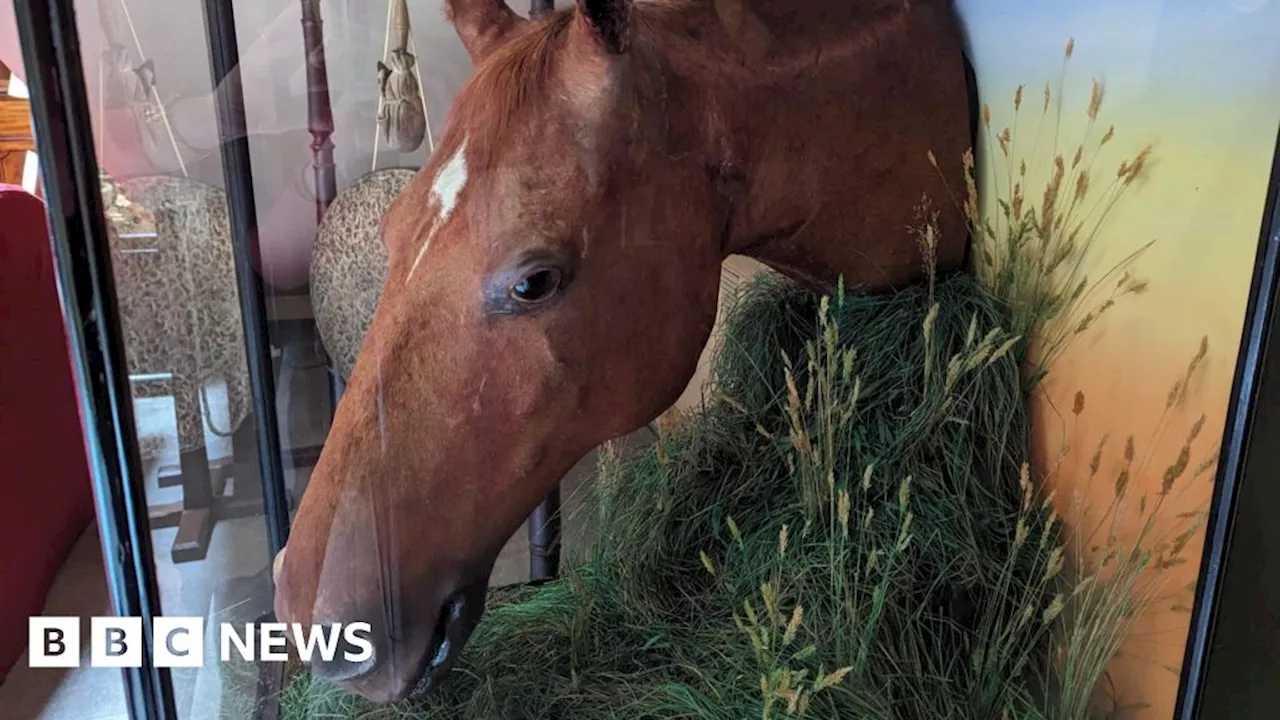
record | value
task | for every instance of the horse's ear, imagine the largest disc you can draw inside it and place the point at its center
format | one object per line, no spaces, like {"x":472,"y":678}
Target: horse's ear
{"x":482,"y":25}
{"x":609,"y":22}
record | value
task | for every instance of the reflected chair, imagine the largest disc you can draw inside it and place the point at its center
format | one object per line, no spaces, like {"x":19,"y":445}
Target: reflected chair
{"x":176,"y":290}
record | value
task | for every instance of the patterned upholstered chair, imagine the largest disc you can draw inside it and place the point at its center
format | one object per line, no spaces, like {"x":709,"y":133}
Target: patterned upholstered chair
{"x":177,"y":293}
{"x":349,"y":263}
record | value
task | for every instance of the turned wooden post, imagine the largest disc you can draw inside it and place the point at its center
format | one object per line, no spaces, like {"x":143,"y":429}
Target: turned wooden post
{"x":320,"y":124}
{"x":319,"y":111}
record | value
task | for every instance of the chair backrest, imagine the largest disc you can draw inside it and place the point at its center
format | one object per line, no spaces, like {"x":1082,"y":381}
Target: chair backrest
{"x":46,"y":498}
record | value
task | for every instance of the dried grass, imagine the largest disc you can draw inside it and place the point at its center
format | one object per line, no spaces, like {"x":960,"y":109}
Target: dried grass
{"x":846,"y":529}
{"x":1032,"y":247}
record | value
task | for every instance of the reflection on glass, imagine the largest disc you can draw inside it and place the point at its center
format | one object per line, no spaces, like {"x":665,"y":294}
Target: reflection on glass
{"x":982,"y":490}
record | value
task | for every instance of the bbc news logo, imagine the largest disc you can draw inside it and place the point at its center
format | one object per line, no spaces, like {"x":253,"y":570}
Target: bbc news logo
{"x":54,"y":642}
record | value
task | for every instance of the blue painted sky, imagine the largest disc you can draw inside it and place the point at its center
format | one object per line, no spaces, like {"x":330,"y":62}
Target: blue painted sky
{"x":1197,"y":51}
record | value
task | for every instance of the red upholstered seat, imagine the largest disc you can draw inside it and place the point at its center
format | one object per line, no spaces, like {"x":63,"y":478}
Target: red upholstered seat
{"x":46,"y":498}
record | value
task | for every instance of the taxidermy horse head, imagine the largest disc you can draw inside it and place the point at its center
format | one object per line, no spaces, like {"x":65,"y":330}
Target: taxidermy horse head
{"x":553,"y":270}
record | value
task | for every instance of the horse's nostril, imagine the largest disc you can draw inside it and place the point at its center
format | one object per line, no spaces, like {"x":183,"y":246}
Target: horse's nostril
{"x":348,"y":662}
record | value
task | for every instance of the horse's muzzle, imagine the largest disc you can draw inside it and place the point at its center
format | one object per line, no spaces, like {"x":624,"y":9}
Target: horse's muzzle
{"x":339,"y":669}
{"x":405,"y":662}
{"x":455,"y":621}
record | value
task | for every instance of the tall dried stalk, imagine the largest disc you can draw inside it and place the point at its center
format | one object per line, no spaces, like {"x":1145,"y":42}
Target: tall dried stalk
{"x":1119,"y":575}
{"x":1031,"y":244}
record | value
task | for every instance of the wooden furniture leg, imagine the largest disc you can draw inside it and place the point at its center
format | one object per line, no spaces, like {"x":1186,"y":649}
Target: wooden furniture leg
{"x":15,"y":133}
{"x":194,"y":514}
{"x":223,"y":489}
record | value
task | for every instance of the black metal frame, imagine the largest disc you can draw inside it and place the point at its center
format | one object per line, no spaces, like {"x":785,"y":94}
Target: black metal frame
{"x":1228,"y":652}
{"x":1233,"y":648}
{"x":224,"y":61}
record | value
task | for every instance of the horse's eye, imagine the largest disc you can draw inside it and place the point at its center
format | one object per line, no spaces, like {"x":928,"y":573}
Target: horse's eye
{"x":536,"y":287}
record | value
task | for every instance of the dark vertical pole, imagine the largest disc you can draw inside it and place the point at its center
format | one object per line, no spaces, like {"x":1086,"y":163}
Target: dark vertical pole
{"x":319,"y":111}
{"x":540,"y":7}
{"x":224,"y":57}
{"x":544,"y":538}
{"x":86,"y":286}
{"x":1230,"y":659}
{"x":320,"y":123}
{"x":544,"y":523}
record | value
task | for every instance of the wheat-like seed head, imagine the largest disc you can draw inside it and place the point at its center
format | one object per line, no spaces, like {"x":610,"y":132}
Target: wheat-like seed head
{"x":734,"y":532}
{"x":1054,"y":609}
{"x":1139,"y":162}
{"x":1175,"y":470}
{"x":1051,"y":194}
{"x":1082,"y":186}
{"x":793,"y":625}
{"x":843,"y":512}
{"x":1095,"y":101}
{"x":1122,"y":482}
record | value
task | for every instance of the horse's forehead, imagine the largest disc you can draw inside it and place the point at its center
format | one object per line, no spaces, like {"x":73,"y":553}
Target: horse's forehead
{"x":491,"y":197}
{"x":447,"y":183}
{"x":534,"y":177}
{"x":450,"y":179}
{"x":520,"y":178}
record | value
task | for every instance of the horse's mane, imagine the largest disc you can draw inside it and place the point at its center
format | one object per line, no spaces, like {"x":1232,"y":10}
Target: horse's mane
{"x":513,"y":85}
{"x":509,"y":87}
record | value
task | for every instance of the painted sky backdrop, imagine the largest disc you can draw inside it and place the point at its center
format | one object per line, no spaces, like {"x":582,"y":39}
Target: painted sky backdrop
{"x":1206,"y":50}
{"x":1200,"y":82}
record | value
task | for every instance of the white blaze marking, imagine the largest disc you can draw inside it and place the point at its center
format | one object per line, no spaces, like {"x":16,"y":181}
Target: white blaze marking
{"x":451,"y":180}
{"x":445,"y":190}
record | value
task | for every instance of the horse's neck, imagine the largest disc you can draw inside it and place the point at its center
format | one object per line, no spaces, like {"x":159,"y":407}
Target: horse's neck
{"x":830,"y":162}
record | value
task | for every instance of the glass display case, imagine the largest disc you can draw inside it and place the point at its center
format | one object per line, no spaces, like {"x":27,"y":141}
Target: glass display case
{"x":645,"y":359}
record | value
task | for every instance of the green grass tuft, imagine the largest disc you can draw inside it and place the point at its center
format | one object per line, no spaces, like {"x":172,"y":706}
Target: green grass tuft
{"x":846,"y":529}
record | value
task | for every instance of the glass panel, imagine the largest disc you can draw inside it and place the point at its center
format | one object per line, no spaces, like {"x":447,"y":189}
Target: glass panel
{"x":835,"y":427}
{"x":147,"y":68}
{"x":162,"y":181}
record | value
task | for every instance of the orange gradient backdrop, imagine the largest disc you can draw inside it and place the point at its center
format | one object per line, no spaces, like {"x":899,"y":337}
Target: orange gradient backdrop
{"x":1197,"y":82}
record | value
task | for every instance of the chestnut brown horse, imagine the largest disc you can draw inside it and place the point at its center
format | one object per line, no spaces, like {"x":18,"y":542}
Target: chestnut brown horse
{"x":553,"y":270}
